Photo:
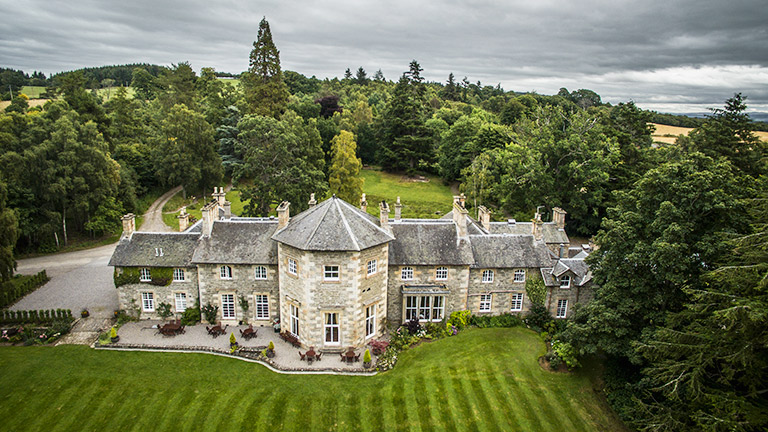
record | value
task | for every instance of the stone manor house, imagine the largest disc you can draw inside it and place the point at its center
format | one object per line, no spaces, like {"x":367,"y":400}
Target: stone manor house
{"x":335,"y":276}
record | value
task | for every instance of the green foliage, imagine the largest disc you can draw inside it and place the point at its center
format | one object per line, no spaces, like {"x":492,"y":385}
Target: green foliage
{"x":126,"y":275}
{"x":265,"y":91}
{"x":271,"y":346}
{"x":210,"y":311}
{"x":19,"y":286}
{"x":367,"y":356}
{"x":503,"y":320}
{"x":35,"y":316}
{"x":9,"y":233}
{"x":538,"y":316}
{"x":164,"y":310}
{"x":191,"y":315}
{"x":535,"y":290}
{"x":161,"y":276}
{"x":232,"y":340}
{"x":566,"y":352}
{"x":460,"y":319}
{"x":113,"y":332}
{"x":344,"y":173}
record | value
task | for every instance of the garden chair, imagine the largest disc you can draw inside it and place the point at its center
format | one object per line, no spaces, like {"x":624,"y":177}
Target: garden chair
{"x":302,"y":356}
{"x":318,"y":355}
{"x":357,"y":358}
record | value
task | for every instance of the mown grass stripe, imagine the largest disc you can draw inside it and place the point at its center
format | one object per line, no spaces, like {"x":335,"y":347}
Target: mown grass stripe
{"x":397,"y":403}
{"x":548,"y":414}
{"x":503,"y":397}
{"x":152,"y":408}
{"x":101,"y":412}
{"x":251,"y":412}
{"x":277,"y":412}
{"x":198,"y":411}
{"x":419,"y":392}
{"x":349,"y":418}
{"x":43,"y":406}
{"x":524,"y":400}
{"x":443,"y":400}
{"x":490,"y":416}
{"x":569,"y":406}
{"x":471,"y":420}
{"x":81,"y":404}
{"x":180,"y":400}
{"x":375,"y":410}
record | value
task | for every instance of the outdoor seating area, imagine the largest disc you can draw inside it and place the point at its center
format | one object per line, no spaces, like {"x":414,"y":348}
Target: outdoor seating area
{"x":151,"y":334}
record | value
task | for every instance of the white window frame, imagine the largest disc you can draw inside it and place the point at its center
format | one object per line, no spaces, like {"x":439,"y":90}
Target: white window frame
{"x":519,"y":276}
{"x":370,"y":321}
{"x":228,"y":311}
{"x":487,"y":276}
{"x":428,"y":308}
{"x":147,"y":301}
{"x":293,"y":267}
{"x":145,"y":274}
{"x":179,"y":275}
{"x":406,"y":273}
{"x":260,"y":273}
{"x":486,"y":300}
{"x":562,"y":308}
{"x":372,"y":267}
{"x":565,"y":281}
{"x":225,"y":272}
{"x":294,"y":320}
{"x":517,"y":302}
{"x":180,"y":301}
{"x":331,"y":273}
{"x":261,"y":306}
{"x":441,"y":273}
{"x":331,"y":324}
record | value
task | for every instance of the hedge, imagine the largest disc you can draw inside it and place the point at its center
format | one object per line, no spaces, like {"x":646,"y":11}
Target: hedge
{"x":19,"y":286}
{"x":34,"y":316}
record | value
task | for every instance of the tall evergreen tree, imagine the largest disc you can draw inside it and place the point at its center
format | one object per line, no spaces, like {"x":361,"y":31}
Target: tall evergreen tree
{"x":361,"y":76}
{"x":9,"y":233}
{"x":265,"y":90}
{"x":344,"y":173}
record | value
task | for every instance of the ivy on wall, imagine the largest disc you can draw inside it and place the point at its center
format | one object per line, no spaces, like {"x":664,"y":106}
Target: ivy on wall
{"x":161,"y":276}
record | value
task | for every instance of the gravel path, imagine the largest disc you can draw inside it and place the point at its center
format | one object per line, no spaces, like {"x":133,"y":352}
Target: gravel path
{"x":286,"y":356}
{"x":79,"y":280}
{"x":153,"y":218}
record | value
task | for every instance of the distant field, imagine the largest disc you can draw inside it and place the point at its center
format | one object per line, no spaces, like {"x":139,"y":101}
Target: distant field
{"x":170,"y":210}
{"x":668,"y":134}
{"x":231,"y":81}
{"x":420,"y":199}
{"x":32,"y":103}
{"x":33,"y":92}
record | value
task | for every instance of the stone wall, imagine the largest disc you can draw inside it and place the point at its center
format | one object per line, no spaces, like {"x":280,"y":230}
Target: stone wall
{"x":574,"y":295}
{"x":129,"y":295}
{"x":501,"y":290}
{"x":456,"y":284}
{"x":244,"y":283}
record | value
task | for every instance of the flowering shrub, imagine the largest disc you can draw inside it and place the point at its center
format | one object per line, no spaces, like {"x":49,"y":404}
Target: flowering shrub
{"x":460,"y":319}
{"x":387,"y":360}
{"x":378,"y":347}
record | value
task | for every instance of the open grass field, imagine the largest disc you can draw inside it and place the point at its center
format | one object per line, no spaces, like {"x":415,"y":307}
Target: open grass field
{"x":175,"y":203}
{"x":430,"y":199}
{"x":477,"y":381}
{"x":668,"y":134}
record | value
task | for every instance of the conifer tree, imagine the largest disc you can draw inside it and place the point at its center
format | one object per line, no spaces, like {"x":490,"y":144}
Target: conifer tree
{"x":265,"y":90}
{"x":344,"y":174}
{"x":9,"y":233}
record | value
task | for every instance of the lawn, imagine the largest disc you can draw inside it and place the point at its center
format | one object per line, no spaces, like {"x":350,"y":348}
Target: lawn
{"x":430,"y":199}
{"x":193,"y":207}
{"x":479,"y":380}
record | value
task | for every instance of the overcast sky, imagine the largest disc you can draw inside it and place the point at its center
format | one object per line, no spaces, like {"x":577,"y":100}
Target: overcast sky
{"x":668,"y":55}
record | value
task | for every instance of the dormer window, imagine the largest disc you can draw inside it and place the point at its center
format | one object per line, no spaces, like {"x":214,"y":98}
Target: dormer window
{"x":565,"y":281}
{"x":144,"y":275}
{"x":158,"y":252}
{"x":225,"y":272}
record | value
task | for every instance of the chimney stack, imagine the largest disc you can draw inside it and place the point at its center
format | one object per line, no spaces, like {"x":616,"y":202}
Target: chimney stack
{"x":209,"y":215}
{"x":563,"y":251}
{"x":537,"y":226}
{"x":312,"y":200}
{"x":398,"y":209}
{"x":227,"y":210}
{"x":460,"y":215}
{"x":384,"y":215}
{"x":220,"y":196}
{"x":485,"y":217}
{"x":183,"y":219}
{"x":363,"y":203}
{"x":283,"y":214}
{"x":129,"y":224}
{"x":558,"y":217}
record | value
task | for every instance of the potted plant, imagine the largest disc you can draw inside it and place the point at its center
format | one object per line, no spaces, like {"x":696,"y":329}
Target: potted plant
{"x":271,"y":349}
{"x":367,"y":359}
{"x":113,"y":335}
{"x":244,"y":306}
{"x":232,"y":343}
{"x":84,"y":313}
{"x":276,"y":325}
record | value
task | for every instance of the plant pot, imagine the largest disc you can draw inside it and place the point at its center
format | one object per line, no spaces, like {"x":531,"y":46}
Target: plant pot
{"x":84,"y":314}
{"x":270,"y":353}
{"x":367,"y":365}
{"x":115,"y":339}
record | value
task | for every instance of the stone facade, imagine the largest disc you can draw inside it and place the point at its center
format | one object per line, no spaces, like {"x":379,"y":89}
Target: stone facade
{"x":130,"y":295}
{"x":243,"y":282}
{"x":455,"y":284}
{"x":501,"y":290}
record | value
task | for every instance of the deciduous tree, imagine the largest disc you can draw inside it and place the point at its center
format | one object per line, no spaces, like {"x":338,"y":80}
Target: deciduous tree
{"x":344,"y":173}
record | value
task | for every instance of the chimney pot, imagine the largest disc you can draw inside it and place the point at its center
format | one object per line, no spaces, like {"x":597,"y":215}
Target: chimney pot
{"x":183,"y":219}
{"x":485,"y":217}
{"x":283,"y":214}
{"x":312,"y":200}
{"x":129,"y":224}
{"x":398,"y":209}
{"x":460,"y":217}
{"x":363,"y":203}
{"x":384,"y":215}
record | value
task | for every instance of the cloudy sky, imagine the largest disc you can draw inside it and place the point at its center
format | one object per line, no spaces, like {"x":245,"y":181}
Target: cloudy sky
{"x":668,"y":55}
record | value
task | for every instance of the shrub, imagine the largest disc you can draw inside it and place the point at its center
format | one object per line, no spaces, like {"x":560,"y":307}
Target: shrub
{"x":538,"y":316}
{"x":113,"y":332}
{"x":378,"y":347}
{"x":459,"y":319}
{"x":243,"y":300}
{"x":164,"y":310}
{"x":210,"y":313}
{"x":387,"y":360}
{"x":191,"y":316}
{"x":435,"y":330}
{"x":566,"y":352}
{"x":232,"y":339}
{"x":367,"y":356}
{"x":125,"y":275}
{"x":271,"y":346}
{"x":503,"y":320}
{"x":413,"y":326}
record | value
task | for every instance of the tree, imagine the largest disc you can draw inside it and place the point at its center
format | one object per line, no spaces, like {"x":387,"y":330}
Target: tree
{"x":361,"y":77}
{"x":379,"y":76}
{"x":344,"y":173}
{"x":9,"y":233}
{"x":265,"y":91}
{"x":143,"y":84}
{"x":451,"y":90}
{"x":186,"y":154}
{"x":177,"y":87}
{"x":347,"y":74}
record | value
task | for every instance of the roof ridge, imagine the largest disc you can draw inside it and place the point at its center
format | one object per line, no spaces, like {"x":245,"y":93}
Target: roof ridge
{"x":317,"y":226}
{"x":366,"y":219}
{"x":346,"y":225}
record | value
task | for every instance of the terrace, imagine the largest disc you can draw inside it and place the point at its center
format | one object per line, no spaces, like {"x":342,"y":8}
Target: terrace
{"x":144,"y":336}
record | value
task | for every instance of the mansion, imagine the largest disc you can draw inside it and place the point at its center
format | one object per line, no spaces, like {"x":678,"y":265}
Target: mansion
{"x":334,"y":275}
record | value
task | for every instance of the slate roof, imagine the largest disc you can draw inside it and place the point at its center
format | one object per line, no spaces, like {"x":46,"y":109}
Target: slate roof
{"x":239,"y":241}
{"x":549,"y":231}
{"x":333,"y":225}
{"x":429,"y":243}
{"x":509,"y":251}
{"x":577,"y":266}
{"x":138,"y":250}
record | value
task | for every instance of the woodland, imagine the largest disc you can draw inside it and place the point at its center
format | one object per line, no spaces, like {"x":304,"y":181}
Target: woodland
{"x":681,"y":263}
